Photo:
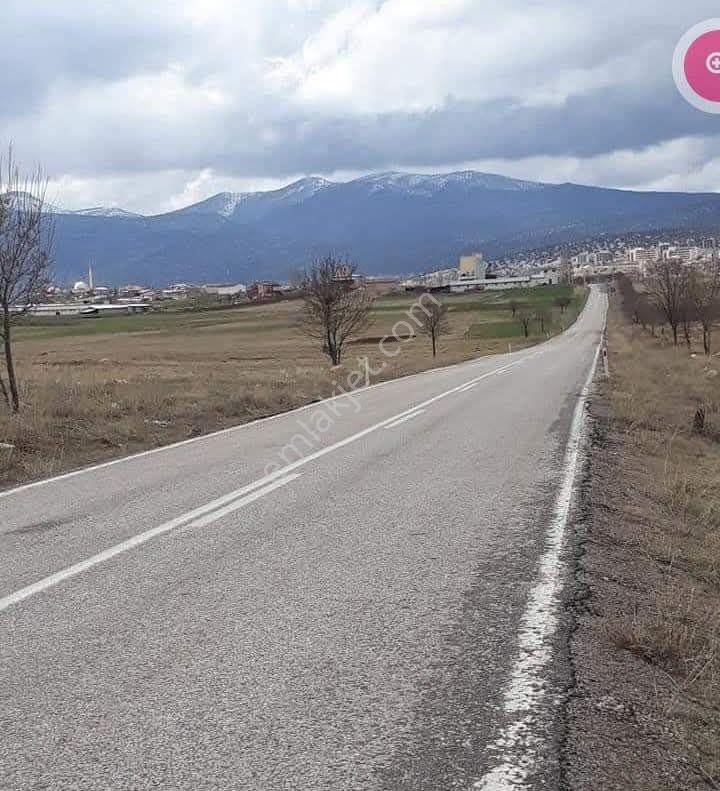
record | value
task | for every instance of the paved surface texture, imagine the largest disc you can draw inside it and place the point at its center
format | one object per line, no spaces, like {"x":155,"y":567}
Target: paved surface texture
{"x":345,"y":620}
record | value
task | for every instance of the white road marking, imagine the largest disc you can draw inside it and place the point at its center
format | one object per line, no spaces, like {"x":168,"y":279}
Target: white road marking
{"x":199,"y":517}
{"x":230,"y":502}
{"x":269,"y":482}
{"x":231,"y":429}
{"x":405,"y":419}
{"x":518,"y":746}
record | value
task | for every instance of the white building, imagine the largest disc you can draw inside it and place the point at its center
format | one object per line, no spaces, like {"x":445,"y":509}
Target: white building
{"x":472,"y":267}
{"x":177,"y":291}
{"x":225,"y":290}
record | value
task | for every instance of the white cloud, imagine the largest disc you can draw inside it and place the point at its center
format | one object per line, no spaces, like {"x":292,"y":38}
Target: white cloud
{"x":154,"y":105}
{"x":691,"y":164}
{"x":402,"y":55}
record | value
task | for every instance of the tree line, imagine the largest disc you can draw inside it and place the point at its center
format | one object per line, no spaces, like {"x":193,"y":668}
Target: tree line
{"x":543,"y":316}
{"x":678,"y":297}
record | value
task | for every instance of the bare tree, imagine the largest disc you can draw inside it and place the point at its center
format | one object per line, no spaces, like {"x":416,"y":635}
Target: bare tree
{"x":334,"y":310}
{"x":26,"y":236}
{"x":542,"y":317}
{"x":513,"y":304}
{"x":704,"y":293}
{"x":563,"y":302}
{"x":688,"y":314}
{"x":524,"y":317}
{"x":435,"y":322}
{"x":646,"y":313}
{"x":668,"y":288}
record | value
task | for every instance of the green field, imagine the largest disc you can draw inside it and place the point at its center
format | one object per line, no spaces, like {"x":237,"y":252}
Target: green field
{"x":496,"y":318}
{"x":491,"y":322}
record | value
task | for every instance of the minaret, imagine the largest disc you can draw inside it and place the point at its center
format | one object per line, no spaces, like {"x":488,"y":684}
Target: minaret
{"x":91,"y":285}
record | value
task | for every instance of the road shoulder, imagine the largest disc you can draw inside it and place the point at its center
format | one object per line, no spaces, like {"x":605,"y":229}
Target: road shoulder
{"x":644,"y":710}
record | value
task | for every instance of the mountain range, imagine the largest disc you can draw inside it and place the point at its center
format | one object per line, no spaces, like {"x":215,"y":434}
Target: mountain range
{"x":387,"y":223}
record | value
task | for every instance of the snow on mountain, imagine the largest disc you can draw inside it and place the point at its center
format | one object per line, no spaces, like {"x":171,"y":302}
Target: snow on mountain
{"x":104,"y":211}
{"x":429,"y":185}
{"x":224,"y":204}
{"x":249,"y":206}
{"x":388,"y":222}
{"x":303,"y":189}
{"x":241,"y":204}
{"x":232,"y":204}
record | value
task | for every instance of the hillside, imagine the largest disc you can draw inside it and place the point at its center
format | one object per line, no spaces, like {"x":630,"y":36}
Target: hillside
{"x":388,"y":223}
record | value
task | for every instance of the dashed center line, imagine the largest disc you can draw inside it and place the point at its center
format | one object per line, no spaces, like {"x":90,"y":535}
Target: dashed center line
{"x":225,"y":505}
{"x":405,"y":419}
{"x":200,"y":517}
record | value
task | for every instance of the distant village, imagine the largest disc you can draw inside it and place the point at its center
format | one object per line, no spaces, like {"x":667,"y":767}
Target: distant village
{"x":592,"y":263}
{"x":472,"y":273}
{"x":88,"y":298}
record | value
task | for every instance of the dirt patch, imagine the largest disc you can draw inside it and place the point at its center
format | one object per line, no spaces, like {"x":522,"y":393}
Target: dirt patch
{"x":645,"y":710}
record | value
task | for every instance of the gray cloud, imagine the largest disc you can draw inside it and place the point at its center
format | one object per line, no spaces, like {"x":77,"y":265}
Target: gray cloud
{"x":143,"y":105}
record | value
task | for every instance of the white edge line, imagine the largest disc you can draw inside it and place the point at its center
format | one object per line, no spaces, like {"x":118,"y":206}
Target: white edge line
{"x":199,"y":517}
{"x":517,"y":745}
{"x":230,"y":429}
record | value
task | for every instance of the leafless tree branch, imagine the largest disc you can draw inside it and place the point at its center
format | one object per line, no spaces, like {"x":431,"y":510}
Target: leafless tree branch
{"x":335,"y":308}
{"x":26,"y":240}
{"x":434,"y":322}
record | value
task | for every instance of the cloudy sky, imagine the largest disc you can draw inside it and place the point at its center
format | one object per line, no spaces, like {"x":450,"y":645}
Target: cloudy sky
{"x":151,"y":105}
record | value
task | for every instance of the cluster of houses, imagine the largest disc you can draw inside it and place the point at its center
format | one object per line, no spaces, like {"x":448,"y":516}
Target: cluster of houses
{"x":637,"y":260}
{"x":86,"y":298}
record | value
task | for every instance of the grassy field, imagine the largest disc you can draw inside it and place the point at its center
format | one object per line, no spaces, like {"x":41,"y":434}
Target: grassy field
{"x":95,"y":388}
{"x":649,"y":643}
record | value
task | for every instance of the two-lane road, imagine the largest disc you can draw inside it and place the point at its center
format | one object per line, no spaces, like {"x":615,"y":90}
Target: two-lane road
{"x":359,"y":595}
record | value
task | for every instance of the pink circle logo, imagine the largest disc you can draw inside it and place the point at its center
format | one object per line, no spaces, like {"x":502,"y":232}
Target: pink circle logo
{"x":696,"y":66}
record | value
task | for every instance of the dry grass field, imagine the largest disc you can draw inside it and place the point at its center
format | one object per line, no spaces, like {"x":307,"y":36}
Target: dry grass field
{"x":647,"y":652}
{"x":94,"y":389}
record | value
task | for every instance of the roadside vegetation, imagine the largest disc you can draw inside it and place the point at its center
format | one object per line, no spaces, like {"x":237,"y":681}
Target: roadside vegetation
{"x":647,"y":650}
{"x":25,"y":251}
{"x":97,"y":388}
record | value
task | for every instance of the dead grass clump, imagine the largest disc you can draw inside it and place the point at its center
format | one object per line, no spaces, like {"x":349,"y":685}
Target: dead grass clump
{"x":680,"y":633}
{"x":678,"y":492}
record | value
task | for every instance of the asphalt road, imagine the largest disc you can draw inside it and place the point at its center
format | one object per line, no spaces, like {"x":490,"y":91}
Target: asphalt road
{"x":225,"y":614}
